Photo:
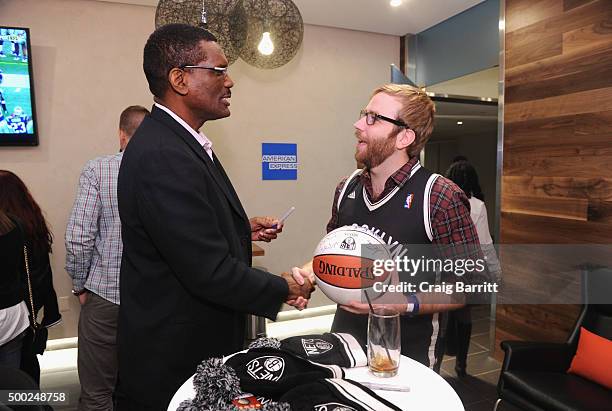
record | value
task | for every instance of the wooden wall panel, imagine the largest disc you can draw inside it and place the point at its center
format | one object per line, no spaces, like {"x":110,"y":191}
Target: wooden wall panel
{"x":523,"y":13}
{"x":536,"y":322}
{"x":534,"y":229}
{"x":598,"y":145}
{"x":570,"y":4}
{"x":575,"y":103}
{"x":556,"y":180}
{"x":553,"y":68}
{"x":558,"y":23}
{"x":579,"y":73}
{"x":593,"y":189}
{"x":571,"y":166}
{"x":600,"y":212}
{"x":583,"y":135}
{"x":535,"y":50}
{"x":593,"y":37}
{"x":557,"y":207}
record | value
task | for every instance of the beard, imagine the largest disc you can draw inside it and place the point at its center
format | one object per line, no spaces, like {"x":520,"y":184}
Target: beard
{"x":376,"y":152}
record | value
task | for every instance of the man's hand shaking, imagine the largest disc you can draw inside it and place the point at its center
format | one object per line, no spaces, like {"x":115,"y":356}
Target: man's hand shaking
{"x":301,"y":285}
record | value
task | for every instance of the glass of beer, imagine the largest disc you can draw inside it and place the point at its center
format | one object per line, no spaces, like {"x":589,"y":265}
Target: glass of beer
{"x":384,"y":342}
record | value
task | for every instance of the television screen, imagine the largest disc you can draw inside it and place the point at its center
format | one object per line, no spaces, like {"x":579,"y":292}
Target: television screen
{"x":17,"y":112}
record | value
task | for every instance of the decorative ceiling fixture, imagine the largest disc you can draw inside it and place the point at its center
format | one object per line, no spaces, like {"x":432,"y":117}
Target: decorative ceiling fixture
{"x":395,"y":3}
{"x":274,"y":32}
{"x":226,"y":19}
{"x":265,"y":33}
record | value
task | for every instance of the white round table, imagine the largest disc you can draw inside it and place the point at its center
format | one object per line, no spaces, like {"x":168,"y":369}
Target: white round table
{"x":427,"y":390}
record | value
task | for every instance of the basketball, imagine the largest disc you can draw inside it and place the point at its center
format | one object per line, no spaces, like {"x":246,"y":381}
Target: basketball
{"x":343,"y":264}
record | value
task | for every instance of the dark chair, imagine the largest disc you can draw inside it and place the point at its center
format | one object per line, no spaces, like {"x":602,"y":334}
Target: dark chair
{"x":17,"y":380}
{"x":533,"y":375}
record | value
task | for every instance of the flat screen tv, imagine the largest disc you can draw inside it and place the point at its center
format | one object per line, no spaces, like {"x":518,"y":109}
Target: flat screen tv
{"x":18,"y":126}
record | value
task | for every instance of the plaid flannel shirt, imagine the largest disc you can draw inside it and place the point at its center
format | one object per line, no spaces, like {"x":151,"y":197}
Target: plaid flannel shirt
{"x":93,"y":235}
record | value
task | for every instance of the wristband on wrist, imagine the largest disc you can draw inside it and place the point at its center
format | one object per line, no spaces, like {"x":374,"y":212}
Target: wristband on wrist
{"x":413,"y":305}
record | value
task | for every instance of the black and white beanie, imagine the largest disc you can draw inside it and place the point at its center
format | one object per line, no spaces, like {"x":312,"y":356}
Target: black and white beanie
{"x":271,"y":373}
{"x":217,"y":388}
{"x":330,"y":348}
{"x":335,"y":395}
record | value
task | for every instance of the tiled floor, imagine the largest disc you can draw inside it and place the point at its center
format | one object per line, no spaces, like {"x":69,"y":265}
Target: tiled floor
{"x":477,"y":390}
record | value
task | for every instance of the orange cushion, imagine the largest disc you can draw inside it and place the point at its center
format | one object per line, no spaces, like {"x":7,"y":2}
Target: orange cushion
{"x":593,"y":359}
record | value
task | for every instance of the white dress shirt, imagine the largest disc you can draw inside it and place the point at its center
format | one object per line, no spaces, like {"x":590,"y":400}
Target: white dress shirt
{"x":199,"y":136}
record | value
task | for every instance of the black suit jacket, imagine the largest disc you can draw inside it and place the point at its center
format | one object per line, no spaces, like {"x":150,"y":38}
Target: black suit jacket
{"x":186,"y":281}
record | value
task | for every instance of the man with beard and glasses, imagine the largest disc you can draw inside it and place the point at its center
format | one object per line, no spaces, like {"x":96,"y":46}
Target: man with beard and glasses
{"x":405,"y":204}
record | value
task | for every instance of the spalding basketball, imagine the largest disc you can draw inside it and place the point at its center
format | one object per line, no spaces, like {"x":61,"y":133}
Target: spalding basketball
{"x":344,"y":264}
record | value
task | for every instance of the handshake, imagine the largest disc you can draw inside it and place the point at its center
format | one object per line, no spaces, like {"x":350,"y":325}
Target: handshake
{"x":301,"y":284}
{"x":300,"y":280}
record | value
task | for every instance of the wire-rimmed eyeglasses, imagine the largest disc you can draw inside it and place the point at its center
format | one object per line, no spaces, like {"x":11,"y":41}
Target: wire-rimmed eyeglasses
{"x":221,"y":71}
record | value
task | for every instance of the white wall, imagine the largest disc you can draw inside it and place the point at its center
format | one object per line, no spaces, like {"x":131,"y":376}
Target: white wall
{"x":87,"y":58}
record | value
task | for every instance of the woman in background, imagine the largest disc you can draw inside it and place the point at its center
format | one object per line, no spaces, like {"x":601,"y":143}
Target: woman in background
{"x":13,"y":310}
{"x":16,"y":200}
{"x":463,"y":174}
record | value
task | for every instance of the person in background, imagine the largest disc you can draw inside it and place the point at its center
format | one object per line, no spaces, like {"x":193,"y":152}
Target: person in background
{"x":462,"y":173}
{"x":13,"y":310}
{"x":93,"y":261}
{"x":2,"y":99}
{"x":4,"y":128}
{"x":16,"y":200}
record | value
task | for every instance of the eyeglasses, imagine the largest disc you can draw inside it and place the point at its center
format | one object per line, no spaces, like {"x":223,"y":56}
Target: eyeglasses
{"x":372,"y":117}
{"x":220,"y":71}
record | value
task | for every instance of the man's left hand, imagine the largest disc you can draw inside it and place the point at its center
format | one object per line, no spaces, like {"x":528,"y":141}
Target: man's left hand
{"x":264,"y":228}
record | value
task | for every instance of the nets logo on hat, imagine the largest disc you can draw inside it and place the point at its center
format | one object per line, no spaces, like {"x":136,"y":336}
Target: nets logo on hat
{"x":266,"y":368}
{"x":333,"y":406}
{"x":316,"y":346}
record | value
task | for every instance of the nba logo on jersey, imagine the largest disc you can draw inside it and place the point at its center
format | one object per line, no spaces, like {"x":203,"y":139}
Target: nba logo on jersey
{"x":408,"y":202}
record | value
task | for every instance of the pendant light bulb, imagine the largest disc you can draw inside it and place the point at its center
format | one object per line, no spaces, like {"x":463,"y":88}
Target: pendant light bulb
{"x":266,"y":47}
